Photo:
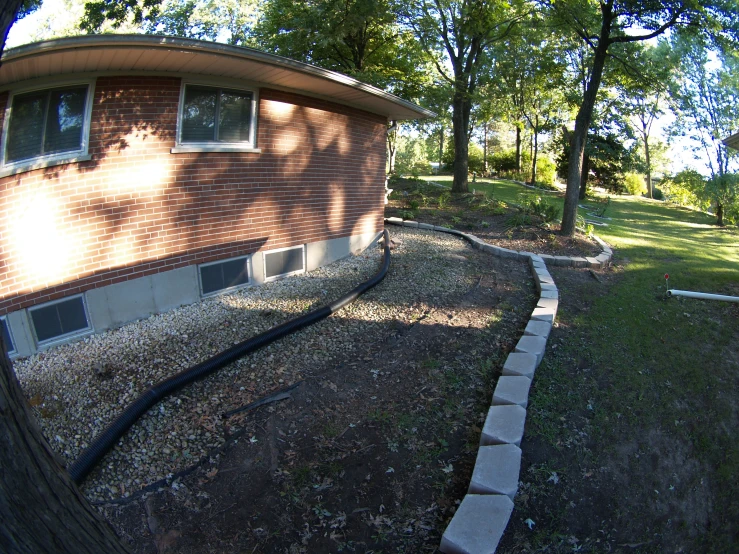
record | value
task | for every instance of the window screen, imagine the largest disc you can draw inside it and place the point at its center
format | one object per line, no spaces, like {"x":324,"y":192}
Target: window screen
{"x":6,"y":335}
{"x":55,"y":320}
{"x":283,"y":262}
{"x":215,"y":115}
{"x":46,"y":122}
{"x":224,"y":275}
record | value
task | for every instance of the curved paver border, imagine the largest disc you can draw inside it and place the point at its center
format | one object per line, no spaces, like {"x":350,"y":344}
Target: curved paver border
{"x":482,"y":517}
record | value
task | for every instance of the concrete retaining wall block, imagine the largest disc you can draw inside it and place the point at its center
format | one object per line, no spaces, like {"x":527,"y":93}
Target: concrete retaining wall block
{"x":520,"y":363}
{"x":512,"y":389}
{"x":478,"y":525}
{"x":496,"y":470}
{"x":503,"y":425}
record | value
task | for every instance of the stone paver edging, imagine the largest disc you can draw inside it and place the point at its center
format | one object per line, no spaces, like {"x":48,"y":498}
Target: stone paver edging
{"x":481,"y":518}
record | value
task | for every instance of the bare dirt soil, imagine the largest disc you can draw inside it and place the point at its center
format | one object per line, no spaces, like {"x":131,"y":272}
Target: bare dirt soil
{"x":372,"y":452}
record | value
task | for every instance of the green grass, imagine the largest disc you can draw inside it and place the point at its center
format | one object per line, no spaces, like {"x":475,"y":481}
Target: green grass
{"x":507,"y":191}
{"x":635,"y":362}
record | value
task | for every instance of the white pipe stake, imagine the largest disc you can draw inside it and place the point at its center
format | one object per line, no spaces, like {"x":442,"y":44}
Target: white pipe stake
{"x":702,"y":295}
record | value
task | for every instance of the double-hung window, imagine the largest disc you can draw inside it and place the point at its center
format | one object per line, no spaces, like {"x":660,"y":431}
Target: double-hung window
{"x":216,"y":118}
{"x":50,"y":125}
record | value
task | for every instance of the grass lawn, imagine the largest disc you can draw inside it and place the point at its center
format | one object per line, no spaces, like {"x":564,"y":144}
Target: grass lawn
{"x":507,"y":191}
{"x":631,"y":440}
{"x":635,"y":403}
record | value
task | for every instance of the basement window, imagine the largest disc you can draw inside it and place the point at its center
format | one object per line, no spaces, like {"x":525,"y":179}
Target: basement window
{"x":7,"y":336}
{"x":46,"y":127}
{"x":59,"y":319}
{"x":224,"y":275}
{"x":284,"y":262}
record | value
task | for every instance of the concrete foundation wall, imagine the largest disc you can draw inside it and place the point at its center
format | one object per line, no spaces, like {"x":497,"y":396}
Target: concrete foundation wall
{"x":114,"y":305}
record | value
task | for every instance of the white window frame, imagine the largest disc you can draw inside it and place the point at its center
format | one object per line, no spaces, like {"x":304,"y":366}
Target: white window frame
{"x":212,"y":146}
{"x":81,"y":155}
{"x":218,"y":292}
{"x":281,"y":275}
{"x":65,"y":337}
{"x":12,"y":337}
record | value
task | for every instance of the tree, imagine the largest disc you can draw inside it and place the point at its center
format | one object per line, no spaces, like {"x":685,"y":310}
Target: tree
{"x":706,"y":106}
{"x":41,"y":509}
{"x":460,"y":32}
{"x":118,"y":13}
{"x":605,"y":26}
{"x":360,"y":38}
{"x":644,"y":98}
{"x":229,"y":20}
{"x":10,"y":11}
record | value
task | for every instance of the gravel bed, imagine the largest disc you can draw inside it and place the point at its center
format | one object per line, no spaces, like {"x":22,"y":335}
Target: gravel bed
{"x":77,"y":389}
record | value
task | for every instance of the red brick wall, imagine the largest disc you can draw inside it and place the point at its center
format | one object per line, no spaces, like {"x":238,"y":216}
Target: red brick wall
{"x":136,"y":209}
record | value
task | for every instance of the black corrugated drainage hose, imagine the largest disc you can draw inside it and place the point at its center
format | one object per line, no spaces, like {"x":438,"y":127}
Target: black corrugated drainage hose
{"x":100,"y":446}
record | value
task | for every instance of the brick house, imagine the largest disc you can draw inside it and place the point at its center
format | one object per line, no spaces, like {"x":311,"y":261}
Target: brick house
{"x":141,"y":173}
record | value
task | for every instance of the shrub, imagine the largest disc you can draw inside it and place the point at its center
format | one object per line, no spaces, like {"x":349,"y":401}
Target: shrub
{"x":657,"y":194}
{"x":635,"y":183}
{"x":545,"y":172}
{"x":443,"y":199}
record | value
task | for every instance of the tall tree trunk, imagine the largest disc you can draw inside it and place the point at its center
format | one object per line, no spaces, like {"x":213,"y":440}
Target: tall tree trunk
{"x":719,"y":214}
{"x":461,"y":108}
{"x":392,"y":147}
{"x":41,"y":509}
{"x":534,"y":155}
{"x":584,"y":177}
{"x":650,"y":190}
{"x":582,"y":124}
{"x":518,"y":148}
{"x":441,"y":145}
{"x":8,"y":9}
{"x":485,"y":149}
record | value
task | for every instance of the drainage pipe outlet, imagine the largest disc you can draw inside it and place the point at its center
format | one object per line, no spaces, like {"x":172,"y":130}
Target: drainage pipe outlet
{"x":702,"y":295}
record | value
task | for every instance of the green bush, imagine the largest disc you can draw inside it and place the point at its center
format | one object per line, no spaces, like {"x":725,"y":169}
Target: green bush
{"x":635,"y":183}
{"x":545,"y":172}
{"x":657,"y":194}
{"x":505,"y":161}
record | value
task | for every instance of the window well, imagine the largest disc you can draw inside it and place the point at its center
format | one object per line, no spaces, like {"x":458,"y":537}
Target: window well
{"x":284,"y":262}
{"x":59,"y":319}
{"x":7,"y":337}
{"x":224,"y":275}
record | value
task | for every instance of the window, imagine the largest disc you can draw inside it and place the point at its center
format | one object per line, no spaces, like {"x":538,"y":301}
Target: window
{"x":212,"y":116}
{"x":49,"y":124}
{"x":59,"y":319}
{"x":7,"y":336}
{"x":218,"y":276}
{"x":286,"y":261}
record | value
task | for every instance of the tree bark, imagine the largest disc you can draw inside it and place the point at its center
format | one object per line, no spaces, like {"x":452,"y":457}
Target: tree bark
{"x":649,"y":167}
{"x":535,"y":153}
{"x":392,"y":146}
{"x":582,"y":124}
{"x":518,"y":148}
{"x":8,"y":9}
{"x":441,"y":145}
{"x":461,"y":108}
{"x":584,"y":177}
{"x":485,"y":149}
{"x":41,"y":510}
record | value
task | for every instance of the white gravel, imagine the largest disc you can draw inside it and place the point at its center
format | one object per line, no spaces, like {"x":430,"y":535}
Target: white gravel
{"x":77,"y":389}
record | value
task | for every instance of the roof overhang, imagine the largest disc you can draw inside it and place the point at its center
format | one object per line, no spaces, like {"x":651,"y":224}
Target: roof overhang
{"x":170,"y":55}
{"x":732,"y":141}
